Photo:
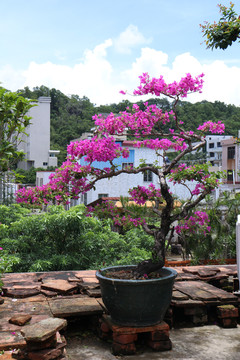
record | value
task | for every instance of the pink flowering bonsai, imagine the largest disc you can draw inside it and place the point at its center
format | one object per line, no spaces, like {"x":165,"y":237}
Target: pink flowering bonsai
{"x":155,"y":129}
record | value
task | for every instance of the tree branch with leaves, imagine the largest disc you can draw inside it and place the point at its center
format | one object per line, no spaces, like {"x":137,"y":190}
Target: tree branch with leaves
{"x":223,"y":33}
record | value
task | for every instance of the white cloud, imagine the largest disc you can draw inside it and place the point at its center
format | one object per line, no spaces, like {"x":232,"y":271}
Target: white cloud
{"x":97,"y":78}
{"x":128,"y":39}
{"x":222,"y":83}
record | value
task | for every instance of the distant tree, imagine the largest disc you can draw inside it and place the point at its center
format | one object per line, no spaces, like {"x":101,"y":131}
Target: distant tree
{"x":13,"y":122}
{"x":225,"y":32}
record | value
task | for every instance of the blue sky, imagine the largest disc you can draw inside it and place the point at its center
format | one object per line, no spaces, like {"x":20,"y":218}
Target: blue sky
{"x":95,"y":48}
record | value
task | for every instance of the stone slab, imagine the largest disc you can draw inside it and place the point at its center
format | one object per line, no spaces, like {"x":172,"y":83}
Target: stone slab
{"x":43,"y":330}
{"x":19,"y":277}
{"x":90,"y":279}
{"x":32,"y":308}
{"x":59,"y":285}
{"x":11,"y":340}
{"x":6,"y":326}
{"x":67,"y":307}
{"x":178,"y":295}
{"x":187,"y":303}
{"x":96,"y":293}
{"x":49,"y":293}
{"x":194,"y":291}
{"x":222,"y":295}
{"x":85,"y":273}
{"x":20,"y":319}
{"x":36,"y":298}
{"x":20,"y":291}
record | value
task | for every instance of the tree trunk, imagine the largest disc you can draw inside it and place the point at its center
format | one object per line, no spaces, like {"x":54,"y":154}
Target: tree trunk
{"x":158,"y":258}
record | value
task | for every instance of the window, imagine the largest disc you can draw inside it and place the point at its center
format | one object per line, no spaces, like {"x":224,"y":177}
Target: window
{"x":219,"y":144}
{"x":230,"y":175}
{"x":84,"y":199}
{"x":211,"y":154}
{"x":45,"y":164}
{"x":231,"y":152}
{"x":148,"y":175}
{"x":211,"y":145}
{"x":102,"y":195}
{"x":125,"y":165}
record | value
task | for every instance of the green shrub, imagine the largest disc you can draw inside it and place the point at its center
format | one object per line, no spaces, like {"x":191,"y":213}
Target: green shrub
{"x":11,"y":213}
{"x":220,"y":243}
{"x":68,"y":240}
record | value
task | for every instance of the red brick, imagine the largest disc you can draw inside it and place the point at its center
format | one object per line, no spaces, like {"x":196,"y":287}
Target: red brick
{"x":228,"y":322}
{"x":104,"y":327}
{"x":160,"y":345}
{"x":158,"y":335}
{"x":124,"y":338}
{"x":195,"y":311}
{"x":120,"y":349}
{"x":227,"y":311}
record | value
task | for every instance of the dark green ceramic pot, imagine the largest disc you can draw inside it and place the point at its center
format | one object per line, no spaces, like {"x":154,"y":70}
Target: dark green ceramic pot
{"x":136,"y":302}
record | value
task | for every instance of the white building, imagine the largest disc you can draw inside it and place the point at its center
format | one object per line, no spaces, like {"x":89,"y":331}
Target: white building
{"x":214,"y":148}
{"x":36,"y":145}
{"x":120,"y":185}
{"x":42,"y":177}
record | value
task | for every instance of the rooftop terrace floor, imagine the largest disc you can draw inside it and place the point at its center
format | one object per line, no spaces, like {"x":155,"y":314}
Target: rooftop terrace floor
{"x":76,"y":294}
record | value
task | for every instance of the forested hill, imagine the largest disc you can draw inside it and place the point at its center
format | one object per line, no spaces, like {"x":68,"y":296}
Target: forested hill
{"x":72,"y":115}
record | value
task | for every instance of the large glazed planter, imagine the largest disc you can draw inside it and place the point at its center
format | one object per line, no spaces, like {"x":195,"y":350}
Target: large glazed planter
{"x":136,"y":302}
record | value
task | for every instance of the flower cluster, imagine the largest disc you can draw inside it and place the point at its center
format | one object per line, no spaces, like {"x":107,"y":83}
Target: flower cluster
{"x":214,"y":128}
{"x":206,"y":180}
{"x":141,"y":194}
{"x":190,"y":225}
{"x":158,"y":86}
{"x":108,"y":210}
{"x":95,"y":149}
{"x":139,"y":122}
{"x":67,"y":181}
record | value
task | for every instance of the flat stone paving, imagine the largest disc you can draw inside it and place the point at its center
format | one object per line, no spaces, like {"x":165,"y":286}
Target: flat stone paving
{"x":76,"y":293}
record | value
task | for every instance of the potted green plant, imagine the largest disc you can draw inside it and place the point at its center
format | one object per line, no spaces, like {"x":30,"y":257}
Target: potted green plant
{"x":161,"y":131}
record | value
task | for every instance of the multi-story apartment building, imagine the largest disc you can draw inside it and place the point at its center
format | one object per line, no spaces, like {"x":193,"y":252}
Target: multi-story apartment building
{"x":214,"y":148}
{"x":231,"y":160}
{"x":36,"y":144}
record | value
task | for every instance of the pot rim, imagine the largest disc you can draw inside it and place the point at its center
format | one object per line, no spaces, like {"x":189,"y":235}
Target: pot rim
{"x":99,"y":275}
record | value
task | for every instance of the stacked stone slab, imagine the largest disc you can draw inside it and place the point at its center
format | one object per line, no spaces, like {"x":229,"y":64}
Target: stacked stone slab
{"x":227,"y":316}
{"x":44,"y":341}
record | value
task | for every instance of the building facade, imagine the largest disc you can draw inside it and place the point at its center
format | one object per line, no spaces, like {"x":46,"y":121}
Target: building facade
{"x":214,"y":148}
{"x":231,"y":160}
{"x":36,"y":144}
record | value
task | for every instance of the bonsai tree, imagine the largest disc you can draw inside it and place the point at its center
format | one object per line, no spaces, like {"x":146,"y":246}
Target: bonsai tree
{"x":155,"y":129}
